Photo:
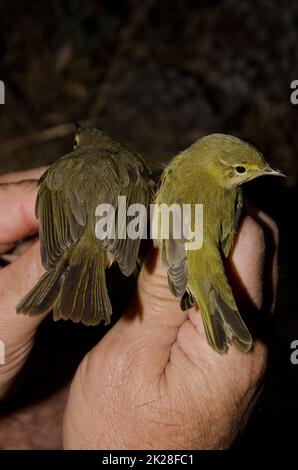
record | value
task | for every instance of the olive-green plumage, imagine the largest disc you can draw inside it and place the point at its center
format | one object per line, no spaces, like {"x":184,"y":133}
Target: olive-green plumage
{"x":98,"y":170}
{"x":209,"y":172}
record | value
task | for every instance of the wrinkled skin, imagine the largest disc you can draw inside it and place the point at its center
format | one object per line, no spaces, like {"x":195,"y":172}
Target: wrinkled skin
{"x":152,"y":381}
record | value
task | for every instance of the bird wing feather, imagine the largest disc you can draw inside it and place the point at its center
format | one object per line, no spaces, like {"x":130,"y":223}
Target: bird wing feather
{"x":172,"y":250}
{"x":134,"y":187}
{"x":64,"y":209}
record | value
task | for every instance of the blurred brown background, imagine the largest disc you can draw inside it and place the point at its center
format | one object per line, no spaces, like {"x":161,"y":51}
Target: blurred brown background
{"x":157,"y":75}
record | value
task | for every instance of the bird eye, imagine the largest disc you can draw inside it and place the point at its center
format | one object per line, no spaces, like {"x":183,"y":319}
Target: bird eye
{"x":240,"y":169}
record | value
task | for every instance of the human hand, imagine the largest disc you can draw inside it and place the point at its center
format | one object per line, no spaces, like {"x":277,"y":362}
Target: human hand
{"x":153,"y":382}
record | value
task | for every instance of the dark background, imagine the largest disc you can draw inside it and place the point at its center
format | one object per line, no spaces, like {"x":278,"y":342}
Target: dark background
{"x":157,"y":75}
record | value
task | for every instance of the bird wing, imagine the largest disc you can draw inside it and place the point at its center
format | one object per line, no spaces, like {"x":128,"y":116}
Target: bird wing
{"x":134,"y":187}
{"x":172,"y":249}
{"x":62,"y":214}
{"x":71,"y":189}
{"x":174,"y":257}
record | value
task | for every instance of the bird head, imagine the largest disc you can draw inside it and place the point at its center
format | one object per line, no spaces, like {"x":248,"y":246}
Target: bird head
{"x":87,"y":136}
{"x":231,"y":161}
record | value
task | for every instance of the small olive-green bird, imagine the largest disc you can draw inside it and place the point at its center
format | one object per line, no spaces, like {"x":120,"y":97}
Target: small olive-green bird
{"x":98,"y":170}
{"x":211,"y":173}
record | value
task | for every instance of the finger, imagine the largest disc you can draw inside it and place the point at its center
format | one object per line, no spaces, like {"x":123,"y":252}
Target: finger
{"x":17,"y":205}
{"x":154,"y":312}
{"x":16,"y":176}
{"x":245,"y":265}
{"x":271,"y":233}
{"x":154,"y":295}
{"x":253,"y":264}
{"x":17,"y":331}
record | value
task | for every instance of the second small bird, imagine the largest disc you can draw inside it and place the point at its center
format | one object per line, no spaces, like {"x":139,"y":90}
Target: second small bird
{"x":97,"y":171}
{"x":211,"y":173}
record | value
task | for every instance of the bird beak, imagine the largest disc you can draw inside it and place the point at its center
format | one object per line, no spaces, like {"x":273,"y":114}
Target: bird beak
{"x":273,"y":171}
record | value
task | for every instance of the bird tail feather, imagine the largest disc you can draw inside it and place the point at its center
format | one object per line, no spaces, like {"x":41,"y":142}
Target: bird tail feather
{"x":221,"y":318}
{"x":40,"y":299}
{"x":84,"y":296}
{"x":76,"y":290}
